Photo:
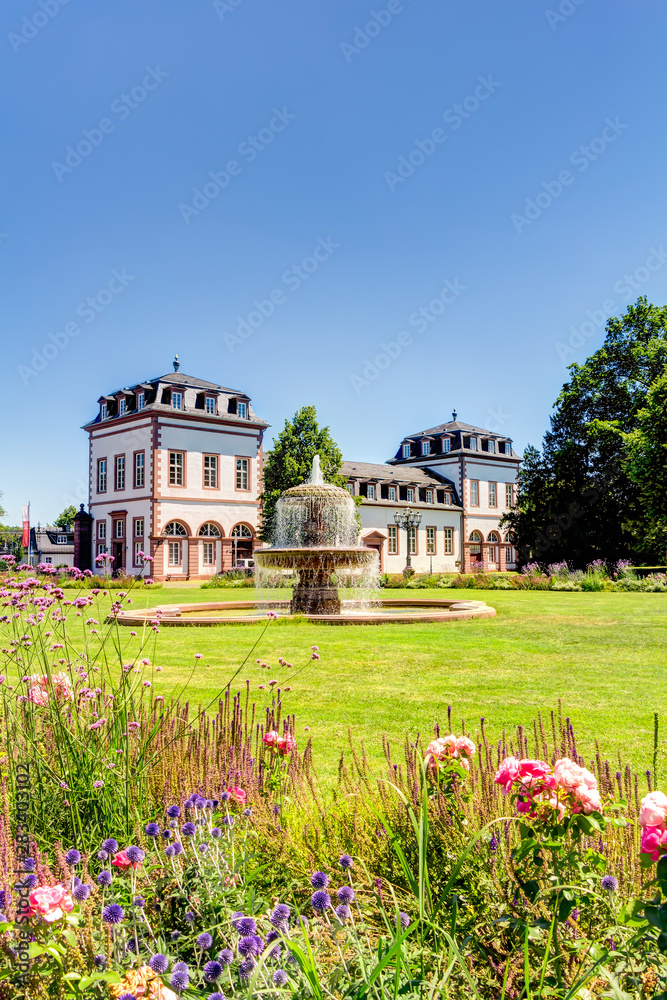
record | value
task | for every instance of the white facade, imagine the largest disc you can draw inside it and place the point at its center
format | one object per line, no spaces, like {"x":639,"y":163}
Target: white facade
{"x":175,"y":472}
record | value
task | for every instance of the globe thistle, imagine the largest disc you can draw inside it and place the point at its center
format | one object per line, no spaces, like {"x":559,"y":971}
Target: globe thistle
{"x":175,"y":935}
{"x":216,"y":996}
{"x":345,"y":894}
{"x":139,"y":901}
{"x":235,"y":917}
{"x":173,"y":812}
{"x":319,"y":880}
{"x":224,"y":797}
{"x":320,"y":901}
{"x":104,"y":878}
{"x":30,"y":881}
{"x":245,"y":926}
{"x":170,"y":850}
{"x":404,"y":921}
{"x":81,"y":892}
{"x":343,"y":912}
{"x":250,"y":945}
{"x":212,"y":971}
{"x":73,"y":857}
{"x":280,"y":977}
{"x":345,"y":861}
{"x":204,"y":940}
{"x":200,"y":803}
{"x":280,"y":916}
{"x":100,"y":961}
{"x":179,"y":980}
{"x":247,"y":812}
{"x":188,"y":829}
{"x":216,"y":832}
{"x":190,"y":917}
{"x":247,"y":967}
{"x":167,"y":834}
{"x":28,"y":864}
{"x":181,"y":967}
{"x":225,"y":957}
{"x":110,"y":845}
{"x":103,"y":855}
{"x":112,"y":914}
{"x":135,"y":854}
{"x":152,"y":830}
{"x":158,"y":963}
{"x":178,"y":848}
{"x":127,"y":996}
{"x":203,"y":848}
{"x":609,"y":883}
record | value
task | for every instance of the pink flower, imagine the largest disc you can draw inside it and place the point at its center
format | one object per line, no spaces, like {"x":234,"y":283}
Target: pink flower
{"x":238,"y":795}
{"x":271,"y":739}
{"x":286,"y":743}
{"x":653,"y":838}
{"x":587,"y":800}
{"x":507,"y":774}
{"x":569,"y":776}
{"x":653,"y":810}
{"x":38,"y":696}
{"x":98,"y":784}
{"x":465,"y":745}
{"x":122,"y":861}
{"x":50,"y":902}
{"x":198,"y":656}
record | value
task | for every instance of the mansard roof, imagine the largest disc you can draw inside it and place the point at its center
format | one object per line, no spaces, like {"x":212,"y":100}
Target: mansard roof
{"x":408,"y":475}
{"x":452,"y":426}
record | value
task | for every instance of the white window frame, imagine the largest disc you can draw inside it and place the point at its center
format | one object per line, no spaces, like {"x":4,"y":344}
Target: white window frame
{"x":119,"y":530}
{"x":242,"y":410}
{"x":474,"y":493}
{"x":119,"y":472}
{"x":509,"y":495}
{"x":121,"y":406}
{"x":426,"y":447}
{"x":209,"y":405}
{"x":406,"y":451}
{"x":391,"y":493}
{"x":473,"y":444}
{"x":139,"y":523}
{"x":139,"y":469}
{"x":446,"y":444}
{"x":412,"y":541}
{"x":176,"y":468}
{"x":208,"y":553}
{"x":430,"y":541}
{"x":448,"y":548}
{"x":101,"y":475}
{"x":429,"y":496}
{"x":370,"y":491}
{"x":176,"y":400}
{"x":243,"y":474}
{"x":138,"y":547}
{"x":493,"y":494}
{"x":141,"y":400}
{"x":392,"y":539}
{"x":410,"y":494}
{"x":102,"y":530}
{"x":104,"y":411}
{"x":174,"y":556}
{"x":211,"y":471}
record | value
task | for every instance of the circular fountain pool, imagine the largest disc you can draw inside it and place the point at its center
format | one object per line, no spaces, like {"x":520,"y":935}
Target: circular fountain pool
{"x":390,"y":611}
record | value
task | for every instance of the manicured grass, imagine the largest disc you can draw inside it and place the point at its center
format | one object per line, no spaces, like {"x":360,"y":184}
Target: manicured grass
{"x":604,"y":655}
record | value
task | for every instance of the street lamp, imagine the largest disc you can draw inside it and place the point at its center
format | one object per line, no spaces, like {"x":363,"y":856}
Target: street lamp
{"x":408,"y":519}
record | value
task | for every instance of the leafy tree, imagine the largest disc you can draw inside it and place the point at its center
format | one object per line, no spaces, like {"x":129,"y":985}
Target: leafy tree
{"x":576,"y":500}
{"x":2,"y":509}
{"x":65,"y":519}
{"x":290,"y":460}
{"x":646,"y":464}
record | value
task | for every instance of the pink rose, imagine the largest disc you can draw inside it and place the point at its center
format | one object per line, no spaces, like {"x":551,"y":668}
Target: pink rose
{"x":570,"y":776}
{"x":653,"y":810}
{"x":122,"y":861}
{"x":588,"y":800}
{"x":286,"y":744}
{"x":38,"y":696}
{"x":238,"y":795}
{"x":507,"y":774}
{"x":653,"y":838}
{"x":532,"y":771}
{"x":465,"y":745}
{"x":50,"y":902}
{"x":271,"y":739}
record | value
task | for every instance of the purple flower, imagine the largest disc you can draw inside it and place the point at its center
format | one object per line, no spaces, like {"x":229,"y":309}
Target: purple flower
{"x":73,"y":857}
{"x":226,"y":957}
{"x":127,"y":996}
{"x":345,"y":861}
{"x":212,"y":971}
{"x":170,"y":851}
{"x":216,"y":996}
{"x":280,"y":915}
{"x":609,"y":883}
{"x":30,"y":881}
{"x":159,"y":963}
{"x":216,"y":832}
{"x":181,"y":967}
{"x":81,"y":892}
{"x":319,"y":880}
{"x":174,"y":936}
{"x":320,"y":901}
{"x":188,"y":829}
{"x":110,"y":845}
{"x":104,"y":878}
{"x":280,"y":977}
{"x":203,"y":848}
{"x":152,"y":830}
{"x":190,"y":917}
{"x":205,"y":940}
{"x":343,"y":912}
{"x":135,"y":854}
{"x":250,"y":945}
{"x":178,"y":848}
{"x":404,"y":921}
{"x":173,"y":812}
{"x":112,"y":914}
{"x":179,"y":980}
{"x":247,"y":812}
{"x":100,"y":961}
{"x":247,"y":967}
{"x":139,"y":901}
{"x":345,"y":894}
{"x":245,"y":926}
{"x":103,"y":855}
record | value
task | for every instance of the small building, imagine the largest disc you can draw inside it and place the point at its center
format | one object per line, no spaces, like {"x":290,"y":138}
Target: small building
{"x":54,"y":546}
{"x":435,"y":545}
{"x":175,"y":469}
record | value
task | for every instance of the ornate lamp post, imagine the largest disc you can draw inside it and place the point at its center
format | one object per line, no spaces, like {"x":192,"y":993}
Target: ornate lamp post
{"x":408,"y":519}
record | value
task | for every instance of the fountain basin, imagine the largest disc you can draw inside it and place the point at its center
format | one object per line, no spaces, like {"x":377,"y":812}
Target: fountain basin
{"x":391,"y":611}
{"x":315,"y":592}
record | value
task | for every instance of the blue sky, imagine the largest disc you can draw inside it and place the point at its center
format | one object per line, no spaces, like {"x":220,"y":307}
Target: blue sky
{"x":472,"y":251}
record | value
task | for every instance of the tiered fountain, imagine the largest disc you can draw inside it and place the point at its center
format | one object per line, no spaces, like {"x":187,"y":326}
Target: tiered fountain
{"x":316,"y":536}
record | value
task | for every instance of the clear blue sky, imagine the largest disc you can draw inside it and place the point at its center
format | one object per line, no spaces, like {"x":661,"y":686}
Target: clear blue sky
{"x":332,"y":110}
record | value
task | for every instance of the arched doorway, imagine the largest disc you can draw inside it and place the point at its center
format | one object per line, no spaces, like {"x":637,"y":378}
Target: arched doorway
{"x":242,"y":541}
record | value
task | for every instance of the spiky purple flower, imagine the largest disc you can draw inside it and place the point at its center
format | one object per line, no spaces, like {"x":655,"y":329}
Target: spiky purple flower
{"x":252,"y":944}
{"x":205,"y":940}
{"x":159,"y":963}
{"x":152,"y":830}
{"x":28,"y":864}
{"x":30,"y":880}
{"x":345,"y":894}
{"x":113,"y":913}
{"x":173,"y":812}
{"x":216,"y":832}
{"x":343,"y":912}
{"x":280,"y":977}
{"x":110,"y":845}
{"x":188,"y":829}
{"x":104,"y":878}
{"x":245,"y":926}
{"x":609,"y":883}
{"x":139,"y":901}
{"x":135,"y":854}
{"x":100,"y":961}
{"x":225,"y":957}
{"x":212,"y":971}
{"x":319,"y":880}
{"x":81,"y":892}
{"x":73,"y":857}
{"x":179,"y":980}
{"x":280,"y":916}
{"x":320,"y":901}
{"x":404,"y":921}
{"x":247,"y":967}
{"x":345,"y":861}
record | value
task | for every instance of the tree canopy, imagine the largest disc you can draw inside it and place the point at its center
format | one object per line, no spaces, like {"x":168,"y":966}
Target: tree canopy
{"x":66,"y":519}
{"x":290,"y":460}
{"x":582,"y":497}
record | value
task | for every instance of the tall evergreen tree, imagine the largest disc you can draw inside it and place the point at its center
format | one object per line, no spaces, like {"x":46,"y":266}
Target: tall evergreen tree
{"x":576,"y":500}
{"x":290,"y":460}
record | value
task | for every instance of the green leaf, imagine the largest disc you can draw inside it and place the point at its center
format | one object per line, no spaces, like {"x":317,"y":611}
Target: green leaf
{"x":631,"y":913}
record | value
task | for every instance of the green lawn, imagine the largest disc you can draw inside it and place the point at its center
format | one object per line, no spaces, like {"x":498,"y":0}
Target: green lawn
{"x":603,"y":654}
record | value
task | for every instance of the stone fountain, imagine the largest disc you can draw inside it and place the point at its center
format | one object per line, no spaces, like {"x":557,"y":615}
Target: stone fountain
{"x":316,"y":536}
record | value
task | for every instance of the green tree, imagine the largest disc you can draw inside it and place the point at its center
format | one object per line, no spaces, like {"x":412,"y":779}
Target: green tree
{"x":2,"y":509}
{"x":576,"y":500}
{"x":646,"y":465}
{"x":289,"y":461}
{"x":65,"y":519}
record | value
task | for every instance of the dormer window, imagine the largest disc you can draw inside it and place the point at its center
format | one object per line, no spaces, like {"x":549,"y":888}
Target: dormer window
{"x":141,"y":400}
{"x":391,"y":493}
{"x":426,"y":447}
{"x":472,"y":444}
{"x":429,"y":496}
{"x":121,"y":406}
{"x":406,"y":451}
{"x":370,"y":491}
{"x":446,"y":444}
{"x":177,"y":400}
{"x":411,"y":495}
{"x":103,"y":411}
{"x":210,"y":404}
{"x":350,"y":488}
{"x":242,"y":410}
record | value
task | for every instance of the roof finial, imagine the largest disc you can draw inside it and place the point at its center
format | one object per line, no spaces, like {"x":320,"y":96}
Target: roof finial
{"x":454,"y":414}
{"x":177,"y":363}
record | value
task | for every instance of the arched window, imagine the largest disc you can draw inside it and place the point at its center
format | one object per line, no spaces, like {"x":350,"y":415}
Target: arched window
{"x":475,"y":548}
{"x":494,"y":537}
{"x":210,"y":529}
{"x":175,"y":528}
{"x":241,"y":531}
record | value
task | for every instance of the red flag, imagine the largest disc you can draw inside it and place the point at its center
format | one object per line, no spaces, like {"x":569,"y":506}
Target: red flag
{"x":25,"y":513}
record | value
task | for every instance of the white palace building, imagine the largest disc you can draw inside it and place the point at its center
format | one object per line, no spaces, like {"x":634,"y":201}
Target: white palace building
{"x":176,"y":471}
